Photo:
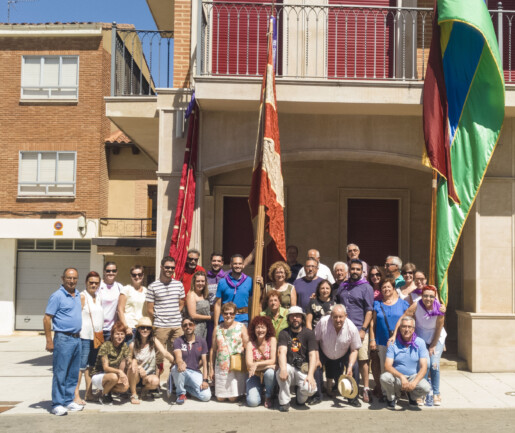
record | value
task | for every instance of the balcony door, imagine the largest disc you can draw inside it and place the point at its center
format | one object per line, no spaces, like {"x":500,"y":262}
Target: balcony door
{"x":360,"y":41}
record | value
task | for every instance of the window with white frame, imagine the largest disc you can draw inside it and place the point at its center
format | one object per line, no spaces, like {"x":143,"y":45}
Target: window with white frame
{"x":50,"y":77}
{"x":47,"y":174}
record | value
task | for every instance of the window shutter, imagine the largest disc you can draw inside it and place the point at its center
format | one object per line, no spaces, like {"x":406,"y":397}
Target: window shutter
{"x":31,"y":71}
{"x":47,"y":167}
{"x":69,"y":71}
{"x":28,"y":167}
{"x":50,"y":76}
{"x":66,"y":167}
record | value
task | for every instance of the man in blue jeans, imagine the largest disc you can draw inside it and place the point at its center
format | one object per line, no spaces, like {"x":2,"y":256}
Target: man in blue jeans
{"x":189,"y":350}
{"x":64,"y":314}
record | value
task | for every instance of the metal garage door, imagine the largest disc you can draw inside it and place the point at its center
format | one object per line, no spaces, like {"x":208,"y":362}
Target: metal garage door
{"x":38,"y":276}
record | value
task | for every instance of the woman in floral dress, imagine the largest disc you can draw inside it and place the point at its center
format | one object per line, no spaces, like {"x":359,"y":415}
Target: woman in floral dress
{"x":229,"y":338}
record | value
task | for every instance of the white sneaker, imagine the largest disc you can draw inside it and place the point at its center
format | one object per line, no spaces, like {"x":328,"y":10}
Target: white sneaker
{"x":59,"y":411}
{"x":74,"y":407}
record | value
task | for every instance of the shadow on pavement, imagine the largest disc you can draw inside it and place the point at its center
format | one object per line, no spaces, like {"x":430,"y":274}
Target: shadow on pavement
{"x":45,"y":404}
{"x":42,"y":361}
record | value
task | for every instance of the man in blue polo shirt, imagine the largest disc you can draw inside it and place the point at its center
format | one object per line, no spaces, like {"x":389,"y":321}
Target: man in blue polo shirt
{"x":406,"y":365}
{"x":234,"y":287}
{"x":64,"y":314}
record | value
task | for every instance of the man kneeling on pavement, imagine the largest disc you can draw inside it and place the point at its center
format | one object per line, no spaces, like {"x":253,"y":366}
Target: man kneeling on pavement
{"x":406,"y":366}
{"x":298,"y":355}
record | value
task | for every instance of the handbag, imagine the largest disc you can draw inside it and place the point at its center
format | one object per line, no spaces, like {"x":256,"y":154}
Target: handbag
{"x":98,"y":337}
{"x":238,"y":363}
{"x":390,"y":332}
{"x":237,"y":360}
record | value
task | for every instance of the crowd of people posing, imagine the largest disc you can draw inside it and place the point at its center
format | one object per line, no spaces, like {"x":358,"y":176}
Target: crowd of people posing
{"x":318,"y":333}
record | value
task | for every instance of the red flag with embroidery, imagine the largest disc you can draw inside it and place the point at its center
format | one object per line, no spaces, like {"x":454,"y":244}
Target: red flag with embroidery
{"x":181,"y":233}
{"x":267,"y":180}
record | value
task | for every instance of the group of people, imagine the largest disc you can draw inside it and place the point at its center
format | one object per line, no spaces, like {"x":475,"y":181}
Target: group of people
{"x":315,"y":324}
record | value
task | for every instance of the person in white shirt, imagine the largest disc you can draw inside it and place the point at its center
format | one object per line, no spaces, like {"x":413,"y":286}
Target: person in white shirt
{"x":339,"y":342}
{"x":323,"y":271}
{"x":108,"y":294}
{"x":131,"y":305}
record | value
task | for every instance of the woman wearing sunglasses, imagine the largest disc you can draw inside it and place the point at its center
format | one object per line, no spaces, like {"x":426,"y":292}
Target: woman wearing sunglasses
{"x":229,"y":338}
{"x":429,"y":317}
{"x":131,"y":304}
{"x":375,"y":278}
{"x":142,"y":357}
{"x":409,"y":292}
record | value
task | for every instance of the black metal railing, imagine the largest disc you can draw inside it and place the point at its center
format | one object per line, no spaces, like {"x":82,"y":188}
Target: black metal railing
{"x":127,"y":228}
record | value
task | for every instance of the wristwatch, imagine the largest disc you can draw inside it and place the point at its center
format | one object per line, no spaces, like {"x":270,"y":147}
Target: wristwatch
{"x":364,"y":329}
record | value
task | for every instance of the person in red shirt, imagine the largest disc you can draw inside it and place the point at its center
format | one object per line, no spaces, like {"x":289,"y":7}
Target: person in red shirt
{"x":190,"y":268}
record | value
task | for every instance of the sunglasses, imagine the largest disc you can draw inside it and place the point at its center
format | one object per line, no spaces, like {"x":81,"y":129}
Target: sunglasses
{"x":188,"y":325}
{"x":374,"y":275}
{"x":145,"y":328}
{"x":407,"y":273}
{"x":387,"y":265}
{"x":169,"y":268}
{"x":111,"y":271}
{"x":228,"y":314}
{"x":192,"y":259}
{"x":137,"y":275}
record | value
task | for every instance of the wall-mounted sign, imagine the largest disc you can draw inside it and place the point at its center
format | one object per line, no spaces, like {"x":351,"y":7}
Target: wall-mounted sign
{"x":58,"y":225}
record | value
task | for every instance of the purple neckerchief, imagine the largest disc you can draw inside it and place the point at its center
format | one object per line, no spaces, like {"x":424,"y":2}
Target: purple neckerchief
{"x":221,"y":273}
{"x":410,"y":343}
{"x":347,"y":285}
{"x":240,"y":281}
{"x":434,"y":312}
{"x":418,"y":291}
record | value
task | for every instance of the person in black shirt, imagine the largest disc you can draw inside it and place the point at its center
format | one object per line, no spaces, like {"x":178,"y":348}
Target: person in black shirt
{"x":297,"y":354}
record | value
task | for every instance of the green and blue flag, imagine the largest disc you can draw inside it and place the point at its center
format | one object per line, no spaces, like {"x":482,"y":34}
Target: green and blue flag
{"x":463,"y":116}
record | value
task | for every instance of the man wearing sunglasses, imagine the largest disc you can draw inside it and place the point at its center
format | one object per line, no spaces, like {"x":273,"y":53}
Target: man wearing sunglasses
{"x":109,"y":293}
{"x":190,"y":268}
{"x":190,"y":355}
{"x":165,"y":301}
{"x":392,"y":266}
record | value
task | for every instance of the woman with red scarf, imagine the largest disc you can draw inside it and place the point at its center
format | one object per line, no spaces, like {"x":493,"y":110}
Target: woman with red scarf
{"x":429,"y":318}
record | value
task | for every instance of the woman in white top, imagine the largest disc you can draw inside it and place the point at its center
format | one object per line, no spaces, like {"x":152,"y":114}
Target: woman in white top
{"x":92,"y":321}
{"x":142,"y":357}
{"x":109,"y":293}
{"x":409,"y":291}
{"x":131,"y":304}
{"x":429,"y":319}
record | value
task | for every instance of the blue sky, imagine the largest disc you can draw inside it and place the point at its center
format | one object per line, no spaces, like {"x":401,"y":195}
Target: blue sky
{"x":40,"y":11}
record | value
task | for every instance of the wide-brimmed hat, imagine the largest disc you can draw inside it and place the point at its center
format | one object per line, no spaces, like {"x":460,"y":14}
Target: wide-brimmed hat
{"x":296,"y":310}
{"x":144,"y":321}
{"x":347,"y":386}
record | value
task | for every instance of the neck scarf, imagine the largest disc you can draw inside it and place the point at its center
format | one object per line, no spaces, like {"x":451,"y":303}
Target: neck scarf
{"x":435,"y":311}
{"x":349,"y":284}
{"x":410,"y":343}
{"x":220,"y":274}
{"x":418,"y":292}
{"x":239,"y":282}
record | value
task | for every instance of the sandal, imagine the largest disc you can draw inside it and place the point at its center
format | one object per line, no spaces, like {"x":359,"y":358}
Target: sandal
{"x":135,"y":399}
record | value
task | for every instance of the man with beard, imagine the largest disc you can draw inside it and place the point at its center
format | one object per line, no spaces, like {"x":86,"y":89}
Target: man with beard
{"x":235,"y":287}
{"x":358,"y":297}
{"x":214,"y":275}
{"x":190,"y":268}
{"x":297,"y":356}
{"x":307,"y":285}
{"x":190,"y":370}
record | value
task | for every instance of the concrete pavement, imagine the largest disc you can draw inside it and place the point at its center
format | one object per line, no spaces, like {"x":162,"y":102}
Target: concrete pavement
{"x":26,"y":376}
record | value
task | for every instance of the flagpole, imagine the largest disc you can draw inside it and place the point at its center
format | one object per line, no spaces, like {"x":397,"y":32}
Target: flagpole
{"x":260,"y":226}
{"x":432,"y":246}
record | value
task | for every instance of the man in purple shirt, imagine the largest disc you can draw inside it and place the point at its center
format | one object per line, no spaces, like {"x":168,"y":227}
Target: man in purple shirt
{"x":358,"y":297}
{"x":189,"y":351}
{"x":307,"y":285}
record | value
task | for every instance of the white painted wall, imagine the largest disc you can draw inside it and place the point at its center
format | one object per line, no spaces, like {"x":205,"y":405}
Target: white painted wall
{"x":25,"y":228}
{"x":7,"y":285}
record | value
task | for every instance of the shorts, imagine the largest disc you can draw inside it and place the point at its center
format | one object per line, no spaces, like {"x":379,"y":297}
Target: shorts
{"x":96,"y":381}
{"x":88,"y":354}
{"x":363,"y":353}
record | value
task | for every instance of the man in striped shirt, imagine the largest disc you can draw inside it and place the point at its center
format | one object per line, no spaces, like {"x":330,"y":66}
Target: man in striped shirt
{"x":165,"y":301}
